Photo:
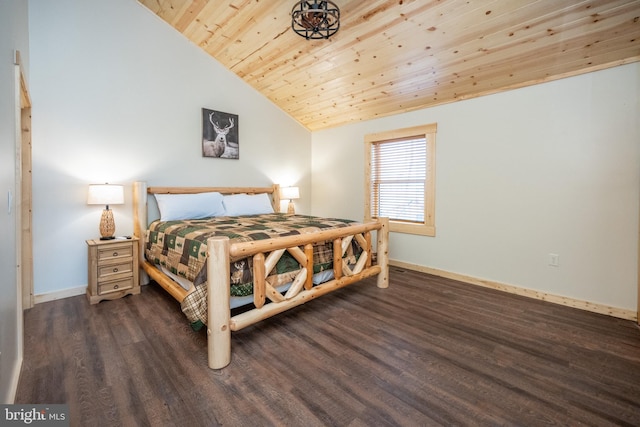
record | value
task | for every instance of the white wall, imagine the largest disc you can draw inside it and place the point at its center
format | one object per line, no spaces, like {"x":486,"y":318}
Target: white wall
{"x":552,"y":168}
{"x":13,"y":36}
{"x":117,"y":96}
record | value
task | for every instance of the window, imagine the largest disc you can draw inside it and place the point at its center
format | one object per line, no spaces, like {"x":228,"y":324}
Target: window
{"x":400,"y":179}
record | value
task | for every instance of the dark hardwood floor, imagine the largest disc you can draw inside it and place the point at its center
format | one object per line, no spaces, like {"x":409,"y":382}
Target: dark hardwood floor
{"x":426,"y":351}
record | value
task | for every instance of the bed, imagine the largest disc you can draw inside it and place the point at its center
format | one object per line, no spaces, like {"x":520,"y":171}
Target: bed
{"x":263,"y":260}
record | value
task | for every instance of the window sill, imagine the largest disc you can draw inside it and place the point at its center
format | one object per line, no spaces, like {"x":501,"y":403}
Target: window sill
{"x":407,"y":228}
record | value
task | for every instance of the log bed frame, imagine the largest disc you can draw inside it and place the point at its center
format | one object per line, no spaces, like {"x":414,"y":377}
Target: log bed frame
{"x":265,"y":255}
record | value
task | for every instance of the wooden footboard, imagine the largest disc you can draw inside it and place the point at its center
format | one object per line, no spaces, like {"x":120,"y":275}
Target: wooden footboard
{"x":266,"y":253}
{"x":221,"y":253}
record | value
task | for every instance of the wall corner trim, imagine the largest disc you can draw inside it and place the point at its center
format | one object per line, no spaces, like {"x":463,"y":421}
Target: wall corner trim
{"x":10,"y":396}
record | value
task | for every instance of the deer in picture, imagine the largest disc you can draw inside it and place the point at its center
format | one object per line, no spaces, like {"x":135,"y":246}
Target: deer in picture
{"x":219,"y":145}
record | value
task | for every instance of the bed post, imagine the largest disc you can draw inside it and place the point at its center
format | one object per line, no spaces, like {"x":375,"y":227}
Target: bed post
{"x":219,"y":311}
{"x":275,"y":197}
{"x":383,"y":253}
{"x":140,"y":219}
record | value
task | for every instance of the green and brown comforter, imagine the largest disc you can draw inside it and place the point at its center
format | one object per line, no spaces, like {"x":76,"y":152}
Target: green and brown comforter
{"x":181,"y":247}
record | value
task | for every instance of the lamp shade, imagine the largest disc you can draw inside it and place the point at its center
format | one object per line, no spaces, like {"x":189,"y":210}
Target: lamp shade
{"x":105,"y":194}
{"x":289,"y":193}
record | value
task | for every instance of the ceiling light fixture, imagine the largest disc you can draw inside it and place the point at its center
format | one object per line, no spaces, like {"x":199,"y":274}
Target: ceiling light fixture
{"x":315,"y":19}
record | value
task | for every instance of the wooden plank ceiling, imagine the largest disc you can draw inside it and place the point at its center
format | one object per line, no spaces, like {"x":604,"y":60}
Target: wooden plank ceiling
{"x":392,"y":56}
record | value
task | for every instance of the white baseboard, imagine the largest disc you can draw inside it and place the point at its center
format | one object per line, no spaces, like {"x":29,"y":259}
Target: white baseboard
{"x":64,"y":293}
{"x":556,"y":299}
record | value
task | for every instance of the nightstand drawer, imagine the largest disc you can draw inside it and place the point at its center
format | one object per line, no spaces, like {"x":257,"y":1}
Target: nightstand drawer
{"x":115,"y":251}
{"x":115,"y":270}
{"x":115,"y":286}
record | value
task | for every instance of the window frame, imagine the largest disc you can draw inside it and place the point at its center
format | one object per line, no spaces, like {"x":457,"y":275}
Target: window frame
{"x":427,"y":227}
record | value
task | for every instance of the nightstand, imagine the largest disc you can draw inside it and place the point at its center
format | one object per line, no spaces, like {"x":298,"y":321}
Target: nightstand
{"x":113,"y":269}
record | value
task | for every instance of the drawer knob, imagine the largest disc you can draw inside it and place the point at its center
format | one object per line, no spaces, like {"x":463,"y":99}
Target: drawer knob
{"x":115,"y":287}
{"x":115,"y":254}
{"x":115,"y":270}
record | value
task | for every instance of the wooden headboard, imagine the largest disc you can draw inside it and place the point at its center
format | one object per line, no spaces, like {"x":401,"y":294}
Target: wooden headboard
{"x":224,"y":190}
{"x":274,"y":191}
{"x":141,"y":211}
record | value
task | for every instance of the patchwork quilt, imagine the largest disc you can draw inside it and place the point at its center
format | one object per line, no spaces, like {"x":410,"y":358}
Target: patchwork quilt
{"x":181,"y":247}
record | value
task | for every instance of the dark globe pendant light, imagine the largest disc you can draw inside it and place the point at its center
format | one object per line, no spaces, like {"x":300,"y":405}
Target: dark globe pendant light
{"x":315,"y":19}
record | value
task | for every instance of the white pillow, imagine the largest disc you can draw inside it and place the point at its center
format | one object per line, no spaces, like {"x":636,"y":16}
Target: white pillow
{"x":247,"y":204}
{"x":189,"y":206}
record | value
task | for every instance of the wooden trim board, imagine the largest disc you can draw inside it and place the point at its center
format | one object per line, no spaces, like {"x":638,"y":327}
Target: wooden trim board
{"x":556,"y":299}
{"x":63,"y":293}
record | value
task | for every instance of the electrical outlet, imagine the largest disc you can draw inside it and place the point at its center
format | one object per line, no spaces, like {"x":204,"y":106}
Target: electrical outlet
{"x":554,"y":260}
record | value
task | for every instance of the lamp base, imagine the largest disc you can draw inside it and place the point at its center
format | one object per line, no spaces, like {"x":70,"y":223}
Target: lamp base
{"x":290,"y":208}
{"x":107,"y":225}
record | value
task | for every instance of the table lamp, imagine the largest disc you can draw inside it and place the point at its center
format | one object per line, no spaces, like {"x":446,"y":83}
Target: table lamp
{"x":290,"y":193}
{"x":106,"y":194}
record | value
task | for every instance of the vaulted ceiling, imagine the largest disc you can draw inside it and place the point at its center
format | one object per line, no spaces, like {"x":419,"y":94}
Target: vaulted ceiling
{"x":393,"y":56}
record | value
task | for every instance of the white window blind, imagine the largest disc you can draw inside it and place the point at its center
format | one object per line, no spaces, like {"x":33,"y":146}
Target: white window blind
{"x":398,"y":179}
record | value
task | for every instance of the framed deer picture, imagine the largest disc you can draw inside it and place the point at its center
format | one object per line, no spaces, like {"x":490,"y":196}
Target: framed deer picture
{"x":220,"y":135}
